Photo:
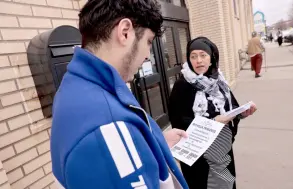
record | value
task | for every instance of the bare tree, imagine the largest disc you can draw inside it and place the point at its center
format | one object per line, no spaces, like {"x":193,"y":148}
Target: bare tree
{"x":290,"y":13}
{"x":280,"y":25}
{"x":290,"y":23}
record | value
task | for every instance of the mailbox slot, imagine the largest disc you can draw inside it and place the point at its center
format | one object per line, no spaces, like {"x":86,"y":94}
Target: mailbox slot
{"x":62,"y":51}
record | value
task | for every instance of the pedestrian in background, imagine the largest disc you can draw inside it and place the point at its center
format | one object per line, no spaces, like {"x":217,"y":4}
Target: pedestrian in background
{"x":271,"y":37}
{"x":255,"y":49}
{"x":203,"y":91}
{"x":280,"y":37}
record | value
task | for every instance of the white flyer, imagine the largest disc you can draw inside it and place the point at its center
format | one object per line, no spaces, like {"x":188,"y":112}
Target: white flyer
{"x":238,"y":110}
{"x":201,"y":134}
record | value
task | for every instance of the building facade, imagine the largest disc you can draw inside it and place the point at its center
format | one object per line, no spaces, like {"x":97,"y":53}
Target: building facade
{"x":229,"y":23}
{"x":25,"y":128}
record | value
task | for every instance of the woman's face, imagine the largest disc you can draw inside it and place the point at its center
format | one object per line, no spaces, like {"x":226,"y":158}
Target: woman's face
{"x":200,"y":60}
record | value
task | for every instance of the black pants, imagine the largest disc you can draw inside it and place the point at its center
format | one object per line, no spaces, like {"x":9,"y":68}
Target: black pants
{"x":280,"y":40}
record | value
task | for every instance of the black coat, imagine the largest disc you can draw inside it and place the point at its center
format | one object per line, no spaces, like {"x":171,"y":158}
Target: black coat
{"x":181,"y":115}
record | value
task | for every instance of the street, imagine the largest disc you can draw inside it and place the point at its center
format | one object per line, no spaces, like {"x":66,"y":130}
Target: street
{"x":264,"y":144}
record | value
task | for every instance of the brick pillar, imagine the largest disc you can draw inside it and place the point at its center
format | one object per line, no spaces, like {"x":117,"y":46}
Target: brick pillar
{"x":228,"y":13}
{"x":207,"y":19}
{"x":242,"y":22}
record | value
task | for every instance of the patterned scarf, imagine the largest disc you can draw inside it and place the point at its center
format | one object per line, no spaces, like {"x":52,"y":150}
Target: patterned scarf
{"x":209,"y":86}
{"x":217,"y":154}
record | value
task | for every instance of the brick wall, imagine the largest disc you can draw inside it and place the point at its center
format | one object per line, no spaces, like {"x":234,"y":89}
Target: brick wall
{"x":229,"y":40}
{"x":242,"y":27}
{"x":24,"y":132}
{"x":236,"y":34}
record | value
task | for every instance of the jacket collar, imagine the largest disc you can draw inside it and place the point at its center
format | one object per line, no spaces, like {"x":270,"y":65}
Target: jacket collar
{"x":91,"y":68}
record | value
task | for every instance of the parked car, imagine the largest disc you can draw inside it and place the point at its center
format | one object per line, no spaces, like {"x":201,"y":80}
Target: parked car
{"x":289,"y":37}
{"x":264,"y":38}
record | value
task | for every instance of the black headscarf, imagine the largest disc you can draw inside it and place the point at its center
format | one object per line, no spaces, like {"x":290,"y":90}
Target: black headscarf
{"x":203,"y":43}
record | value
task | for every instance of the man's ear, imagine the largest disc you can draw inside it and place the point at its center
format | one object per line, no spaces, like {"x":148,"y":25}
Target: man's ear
{"x":125,"y":31}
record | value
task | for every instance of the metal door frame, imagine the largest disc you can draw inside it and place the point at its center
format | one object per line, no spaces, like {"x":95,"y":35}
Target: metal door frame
{"x":177,"y":47}
{"x":141,"y":84}
{"x":173,"y":15}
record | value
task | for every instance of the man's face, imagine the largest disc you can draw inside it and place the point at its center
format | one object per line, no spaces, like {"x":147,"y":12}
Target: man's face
{"x":139,"y":51}
{"x":132,"y":50}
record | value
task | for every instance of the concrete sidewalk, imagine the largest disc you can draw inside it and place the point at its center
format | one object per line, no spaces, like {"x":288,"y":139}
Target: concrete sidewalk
{"x":264,"y":144}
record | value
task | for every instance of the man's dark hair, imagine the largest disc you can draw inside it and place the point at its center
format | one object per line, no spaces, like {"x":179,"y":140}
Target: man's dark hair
{"x":98,"y":18}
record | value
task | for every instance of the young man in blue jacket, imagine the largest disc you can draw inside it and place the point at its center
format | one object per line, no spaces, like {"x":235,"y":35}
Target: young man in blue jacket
{"x":101,"y":137}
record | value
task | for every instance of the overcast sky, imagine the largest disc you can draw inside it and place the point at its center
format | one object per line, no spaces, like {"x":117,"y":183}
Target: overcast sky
{"x":274,"y":10}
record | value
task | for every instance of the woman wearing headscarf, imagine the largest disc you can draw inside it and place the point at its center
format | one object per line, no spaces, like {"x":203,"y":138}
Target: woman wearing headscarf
{"x":203,"y":91}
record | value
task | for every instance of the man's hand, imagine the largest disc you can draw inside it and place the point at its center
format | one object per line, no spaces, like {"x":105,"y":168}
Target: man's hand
{"x":173,"y":136}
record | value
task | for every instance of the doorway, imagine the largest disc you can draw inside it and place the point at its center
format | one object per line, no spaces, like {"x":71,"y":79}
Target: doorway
{"x":153,"y":84}
{"x":173,"y":44}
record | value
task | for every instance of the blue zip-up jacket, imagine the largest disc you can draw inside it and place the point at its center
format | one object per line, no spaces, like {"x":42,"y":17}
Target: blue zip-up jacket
{"x":101,"y":137}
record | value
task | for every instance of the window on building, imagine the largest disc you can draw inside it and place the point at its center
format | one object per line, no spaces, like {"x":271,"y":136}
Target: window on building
{"x":177,"y":3}
{"x":183,"y":39}
{"x":180,"y":3}
{"x":235,"y":7}
{"x":169,"y":48}
{"x":183,"y":3}
{"x":152,"y":100}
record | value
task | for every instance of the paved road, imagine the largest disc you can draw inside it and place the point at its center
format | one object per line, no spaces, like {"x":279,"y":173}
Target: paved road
{"x":264,"y":145}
